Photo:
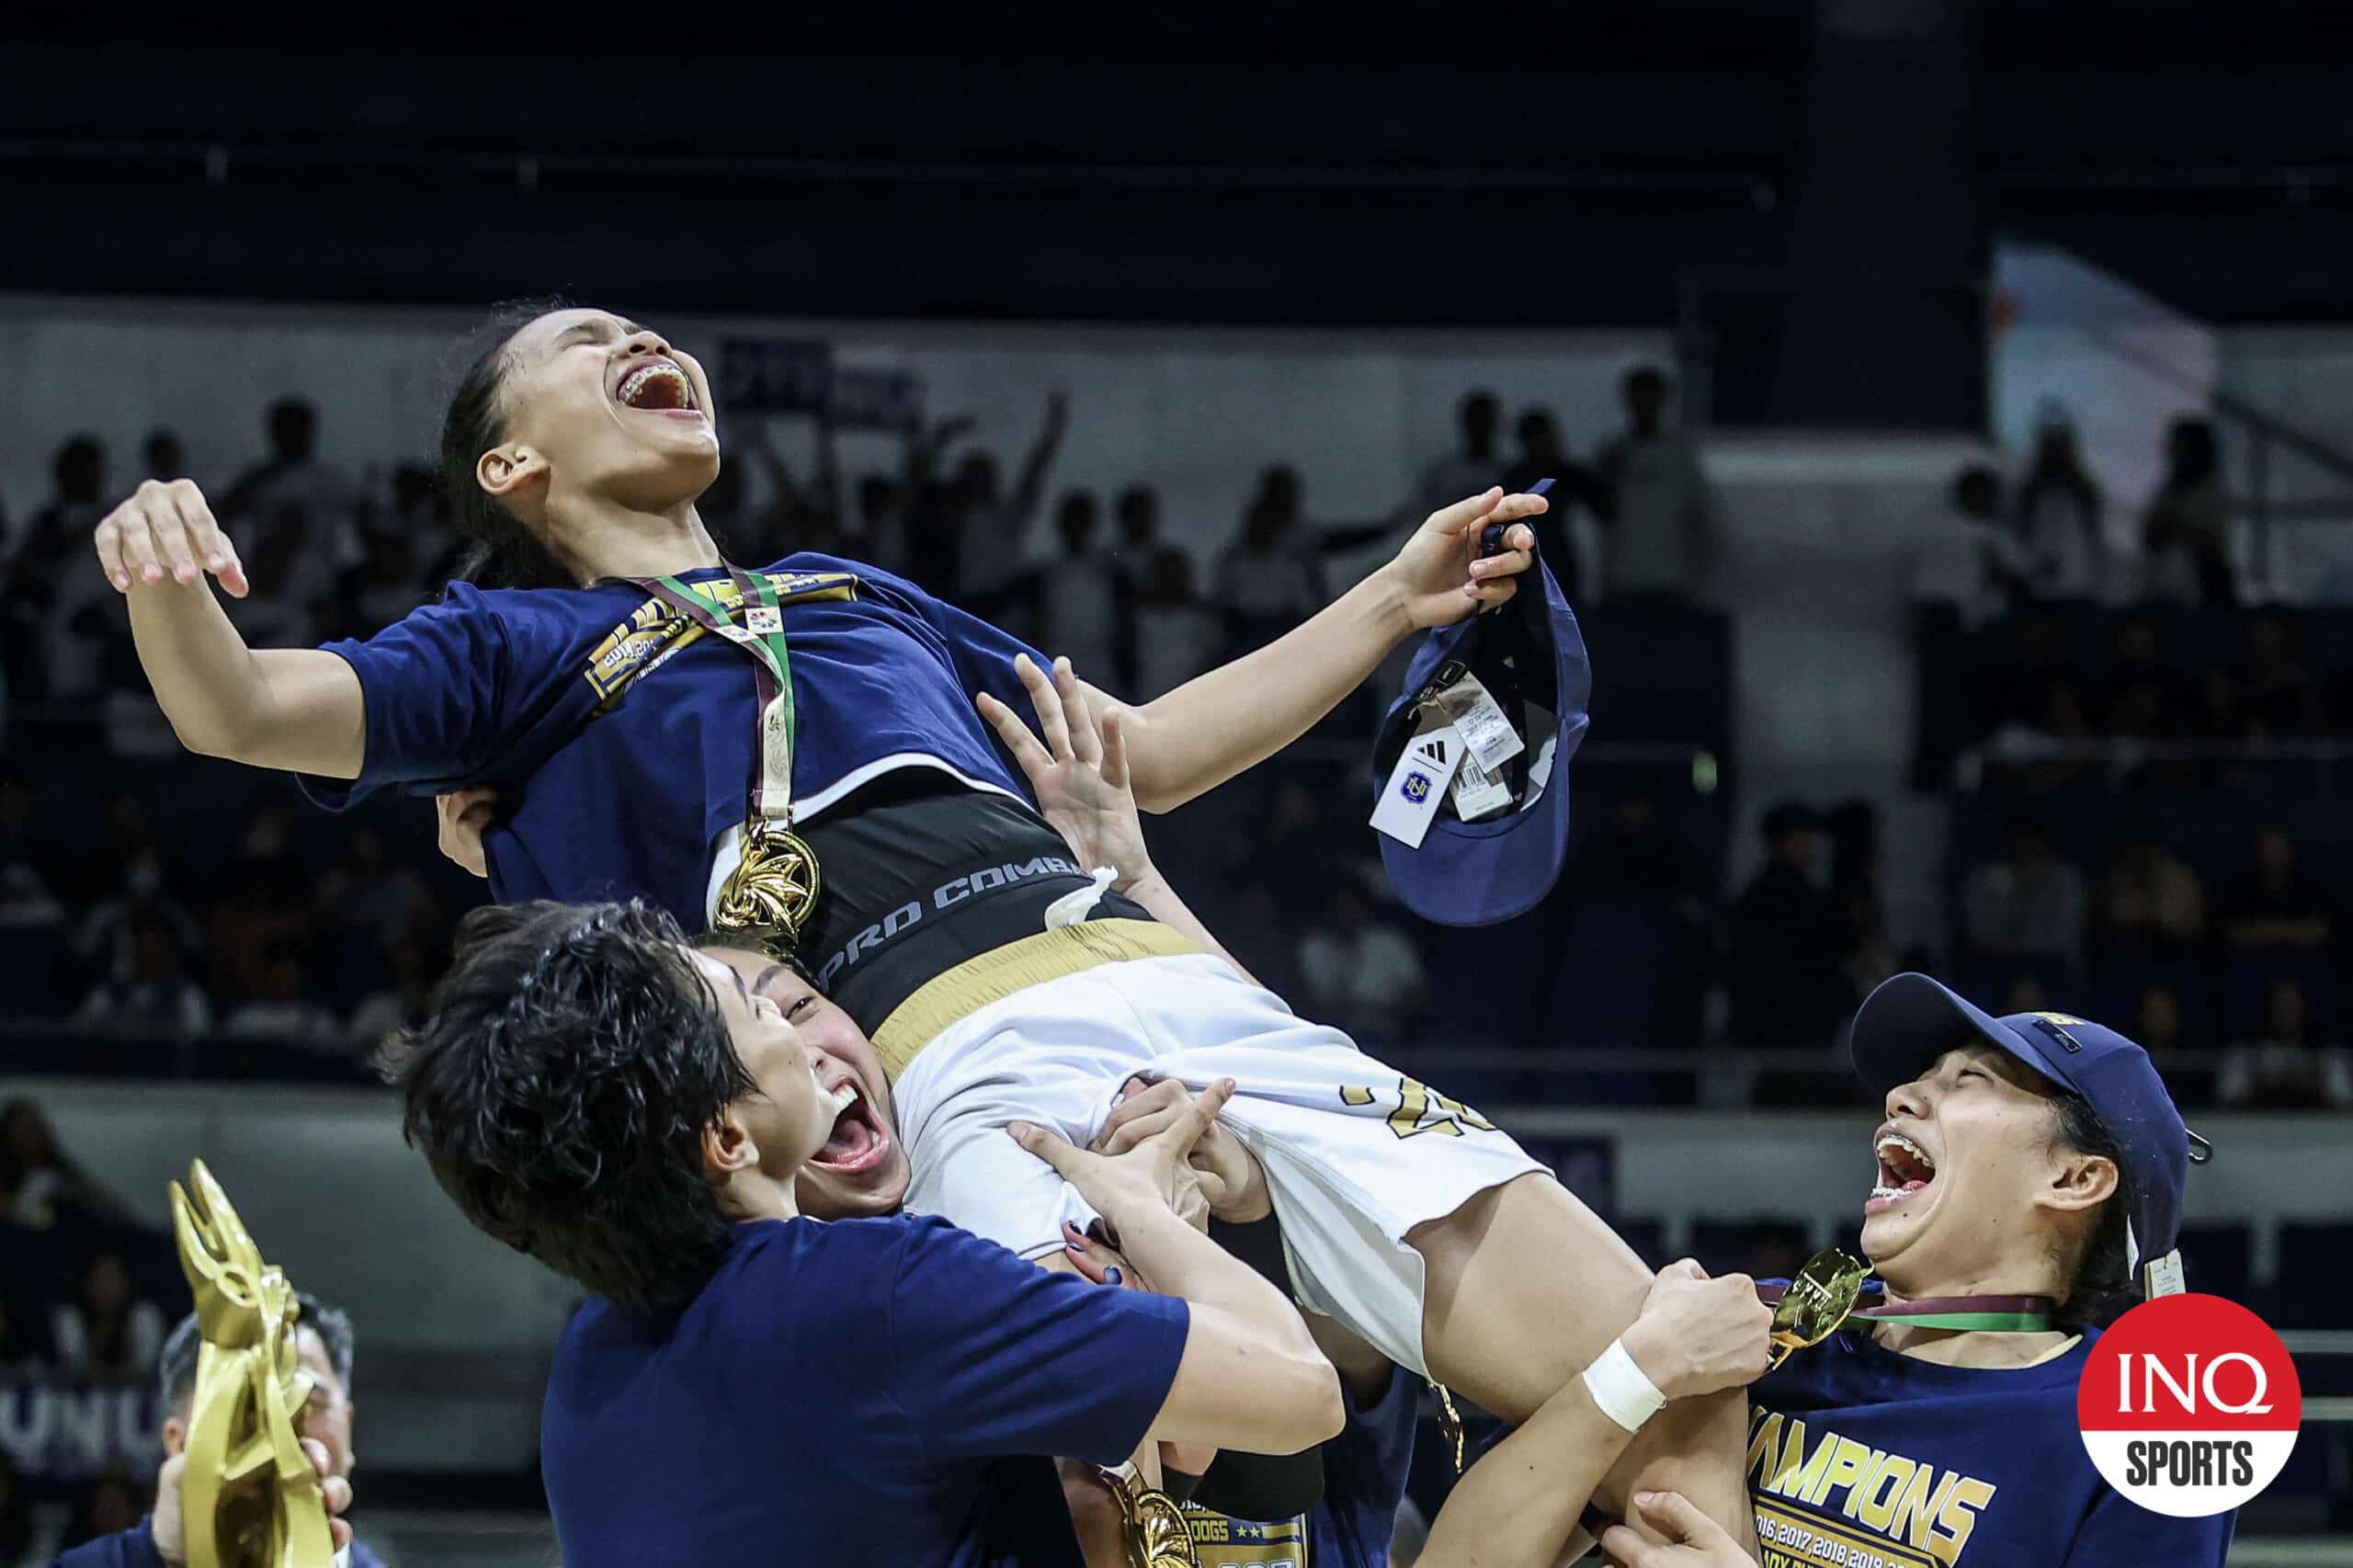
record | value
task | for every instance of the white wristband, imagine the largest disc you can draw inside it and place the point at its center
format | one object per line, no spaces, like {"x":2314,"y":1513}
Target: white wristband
{"x":1621,"y":1390}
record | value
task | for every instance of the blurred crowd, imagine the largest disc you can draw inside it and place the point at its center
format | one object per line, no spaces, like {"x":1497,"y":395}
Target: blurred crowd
{"x":248,"y":935}
{"x":88,"y":1294}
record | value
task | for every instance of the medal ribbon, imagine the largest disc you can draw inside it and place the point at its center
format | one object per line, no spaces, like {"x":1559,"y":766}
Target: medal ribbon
{"x":1982,"y":1314}
{"x":761,"y":635}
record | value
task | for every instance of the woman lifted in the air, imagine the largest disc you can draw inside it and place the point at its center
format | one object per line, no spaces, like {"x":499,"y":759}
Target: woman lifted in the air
{"x":795,"y":752}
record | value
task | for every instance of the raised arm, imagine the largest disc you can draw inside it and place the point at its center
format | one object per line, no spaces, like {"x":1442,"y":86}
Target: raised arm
{"x":298,"y":708}
{"x":1236,"y":716}
{"x":1081,"y":777}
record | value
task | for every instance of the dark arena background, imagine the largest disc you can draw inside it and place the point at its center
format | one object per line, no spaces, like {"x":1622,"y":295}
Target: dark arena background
{"x":1980,"y":601}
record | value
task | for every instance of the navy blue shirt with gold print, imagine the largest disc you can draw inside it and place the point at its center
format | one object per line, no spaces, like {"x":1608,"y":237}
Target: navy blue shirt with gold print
{"x":620,"y":732}
{"x":1364,"y":1479}
{"x":1859,"y":1456}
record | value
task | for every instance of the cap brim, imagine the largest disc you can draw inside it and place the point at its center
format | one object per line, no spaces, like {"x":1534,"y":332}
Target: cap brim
{"x":1908,"y":1021}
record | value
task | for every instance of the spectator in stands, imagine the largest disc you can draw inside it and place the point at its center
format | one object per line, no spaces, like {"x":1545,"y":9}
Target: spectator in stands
{"x":2186,"y":533}
{"x":2277,"y":694}
{"x":284,"y":1008}
{"x":1141,"y":550}
{"x":1475,"y":464}
{"x":997,"y":523}
{"x":1658,"y":538}
{"x":2149,"y":901}
{"x":108,"y":942}
{"x":55,"y":628}
{"x":1642,"y":858}
{"x":2276,"y":905}
{"x":28,"y":900}
{"x":163,"y":455}
{"x":398,"y":1003}
{"x":22,"y":1351}
{"x":1364,"y":977}
{"x":365,"y":904}
{"x":2025,"y":903}
{"x":1084,"y":612}
{"x":1970,"y":565}
{"x":156,"y":998}
{"x":108,"y":1506}
{"x":1176,"y":636}
{"x":2286,"y":1067}
{"x":2042,"y":749}
{"x":16,"y":1515}
{"x":268,"y":909}
{"x":291,"y":492}
{"x":2139,"y":664}
{"x":1544,"y":455}
{"x":41,"y":1188}
{"x":1264,"y":589}
{"x":1788,"y":940}
{"x":2059,"y":510}
{"x":390,"y":582}
{"x":288,"y":579}
{"x":2160,"y":1024}
{"x":106,"y":1334}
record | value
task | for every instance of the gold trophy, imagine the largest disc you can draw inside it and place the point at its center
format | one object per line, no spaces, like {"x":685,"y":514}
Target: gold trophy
{"x":1818,"y":1300}
{"x":249,"y":1495}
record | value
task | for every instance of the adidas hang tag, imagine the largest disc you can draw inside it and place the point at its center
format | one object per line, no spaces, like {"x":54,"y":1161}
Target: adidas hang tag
{"x":1416,"y":786}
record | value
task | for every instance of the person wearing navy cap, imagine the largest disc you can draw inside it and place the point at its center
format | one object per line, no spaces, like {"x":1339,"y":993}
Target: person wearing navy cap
{"x":2029,"y":1182}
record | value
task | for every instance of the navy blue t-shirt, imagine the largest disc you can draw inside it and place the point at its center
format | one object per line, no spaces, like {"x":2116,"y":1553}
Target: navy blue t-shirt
{"x":863,"y":1391}
{"x":1867,"y":1456}
{"x":619,"y":730}
{"x":1364,"y":1479}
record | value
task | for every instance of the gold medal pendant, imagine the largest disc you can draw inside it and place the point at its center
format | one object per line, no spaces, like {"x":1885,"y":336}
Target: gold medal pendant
{"x":1157,"y":1535}
{"x":1821,"y":1298}
{"x":773,"y":889}
{"x":249,"y":1496}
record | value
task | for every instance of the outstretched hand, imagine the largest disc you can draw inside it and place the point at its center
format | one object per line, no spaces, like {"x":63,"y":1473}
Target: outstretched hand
{"x":1440,"y":577}
{"x":1079,"y":773}
{"x":167,"y":530}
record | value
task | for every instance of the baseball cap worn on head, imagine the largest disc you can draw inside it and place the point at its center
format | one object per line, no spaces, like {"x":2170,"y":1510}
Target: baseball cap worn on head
{"x":1908,"y":1021}
{"x":1532,"y":658}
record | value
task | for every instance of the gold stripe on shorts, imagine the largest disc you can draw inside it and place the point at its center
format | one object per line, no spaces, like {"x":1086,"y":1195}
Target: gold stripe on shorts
{"x":951,"y":997}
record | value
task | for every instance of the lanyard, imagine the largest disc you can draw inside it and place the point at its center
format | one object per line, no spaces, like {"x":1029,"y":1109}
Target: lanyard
{"x":1983,"y":1314}
{"x":761,"y":635}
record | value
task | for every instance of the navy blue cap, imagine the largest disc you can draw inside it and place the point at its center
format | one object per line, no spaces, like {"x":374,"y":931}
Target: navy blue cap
{"x":1909,"y":1021}
{"x":1532,"y":658}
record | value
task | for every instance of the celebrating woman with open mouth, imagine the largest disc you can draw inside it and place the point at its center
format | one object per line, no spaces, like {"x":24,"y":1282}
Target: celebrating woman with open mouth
{"x":793,"y":754}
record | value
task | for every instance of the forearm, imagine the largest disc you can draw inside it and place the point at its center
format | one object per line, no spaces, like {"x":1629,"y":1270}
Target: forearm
{"x":295,"y":709}
{"x":1519,"y":1507}
{"x":204,"y":676}
{"x":1237,"y":715}
{"x":1151,"y":891}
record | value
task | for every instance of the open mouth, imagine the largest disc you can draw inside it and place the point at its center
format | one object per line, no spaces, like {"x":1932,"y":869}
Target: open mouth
{"x":658,"y":386}
{"x":1904,"y":1168}
{"x":858,"y":1144}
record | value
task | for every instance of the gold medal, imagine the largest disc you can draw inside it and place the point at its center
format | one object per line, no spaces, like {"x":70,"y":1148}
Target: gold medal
{"x":773,"y":888}
{"x":1821,"y":1298}
{"x":1157,"y":1535}
{"x":249,"y":1496}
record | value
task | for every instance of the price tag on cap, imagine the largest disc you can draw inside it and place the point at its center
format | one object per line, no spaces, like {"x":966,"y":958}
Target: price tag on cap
{"x":1478,"y":793}
{"x":1409,"y":800}
{"x":1479,"y":719}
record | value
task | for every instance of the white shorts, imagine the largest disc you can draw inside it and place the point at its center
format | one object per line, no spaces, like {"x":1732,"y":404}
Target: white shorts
{"x":1357,"y":1154}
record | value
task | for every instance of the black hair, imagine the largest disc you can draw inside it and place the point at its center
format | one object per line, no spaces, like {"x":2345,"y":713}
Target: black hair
{"x":559,"y":1087}
{"x":176,"y":1368}
{"x":2101,"y":1288}
{"x":501,"y":553}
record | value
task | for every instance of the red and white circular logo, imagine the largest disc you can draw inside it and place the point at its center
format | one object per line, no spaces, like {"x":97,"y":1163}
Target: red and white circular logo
{"x":2189,"y":1405}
